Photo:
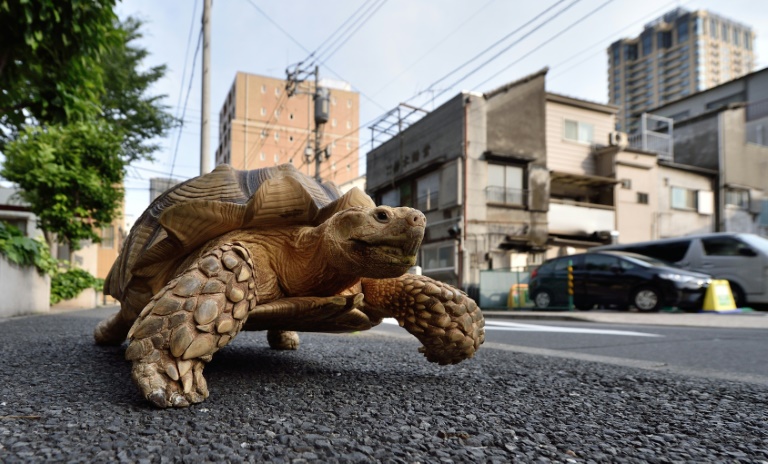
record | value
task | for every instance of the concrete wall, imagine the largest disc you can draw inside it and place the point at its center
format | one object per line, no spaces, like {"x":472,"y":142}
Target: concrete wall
{"x":436,"y":138}
{"x":23,"y":290}
{"x":635,"y":221}
{"x":516,"y":118}
{"x":697,"y":142}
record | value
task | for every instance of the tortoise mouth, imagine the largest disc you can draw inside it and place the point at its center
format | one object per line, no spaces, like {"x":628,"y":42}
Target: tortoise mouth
{"x":402,"y":248}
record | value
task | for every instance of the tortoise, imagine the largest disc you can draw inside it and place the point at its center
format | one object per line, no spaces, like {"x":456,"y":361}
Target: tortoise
{"x":274,"y":250}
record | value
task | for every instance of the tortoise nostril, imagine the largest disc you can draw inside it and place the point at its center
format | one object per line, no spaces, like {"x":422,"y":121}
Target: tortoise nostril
{"x":418,"y":219}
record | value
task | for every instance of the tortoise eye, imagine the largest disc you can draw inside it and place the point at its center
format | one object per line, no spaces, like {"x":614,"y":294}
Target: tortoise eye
{"x":382,"y":216}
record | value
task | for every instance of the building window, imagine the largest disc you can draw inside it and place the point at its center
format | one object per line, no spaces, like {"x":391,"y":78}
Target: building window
{"x":642,"y":198}
{"x":262,"y":156}
{"x":391,"y":197}
{"x":736,"y":35}
{"x":277,"y":159}
{"x":647,"y":44}
{"x":438,"y":258}
{"x":505,"y":185}
{"x":737,"y":197}
{"x":683,"y":198}
{"x":108,"y":237}
{"x":263,"y":88}
{"x":263,"y":111}
{"x":713,"y":28}
{"x":626,"y":183}
{"x":277,"y":91}
{"x":724,"y":33}
{"x":682,"y":31}
{"x":349,"y":103}
{"x":427,"y":191}
{"x":579,"y":131}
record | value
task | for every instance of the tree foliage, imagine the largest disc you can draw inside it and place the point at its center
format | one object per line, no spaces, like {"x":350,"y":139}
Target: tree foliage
{"x":50,"y":60}
{"x":127,"y":104}
{"x":75,"y":109}
{"x":69,"y":176}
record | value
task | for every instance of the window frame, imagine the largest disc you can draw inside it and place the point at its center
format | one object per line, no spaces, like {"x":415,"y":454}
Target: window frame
{"x":579,"y":127}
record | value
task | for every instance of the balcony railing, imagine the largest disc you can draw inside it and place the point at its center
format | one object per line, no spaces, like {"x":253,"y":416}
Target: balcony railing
{"x":506,"y":196}
{"x":574,"y":218}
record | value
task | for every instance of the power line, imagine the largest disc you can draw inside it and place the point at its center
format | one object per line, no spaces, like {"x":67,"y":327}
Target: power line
{"x":561,"y":32}
{"x":360,"y":22}
{"x":186,"y":100}
{"x":437,"y":44}
{"x":505,"y":49}
{"x":547,"y":10}
{"x":277,"y":25}
{"x":319,"y":47}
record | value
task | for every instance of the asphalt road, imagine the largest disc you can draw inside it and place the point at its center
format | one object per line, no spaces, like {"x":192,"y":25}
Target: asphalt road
{"x":362,"y":398}
{"x":727,"y":353}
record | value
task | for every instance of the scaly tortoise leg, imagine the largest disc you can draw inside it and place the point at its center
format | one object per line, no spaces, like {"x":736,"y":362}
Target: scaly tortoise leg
{"x":186,"y":322}
{"x":446,"y":321}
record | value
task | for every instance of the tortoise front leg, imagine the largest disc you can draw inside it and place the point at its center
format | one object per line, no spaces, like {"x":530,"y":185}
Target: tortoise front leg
{"x":446,"y":321}
{"x":186,"y":322}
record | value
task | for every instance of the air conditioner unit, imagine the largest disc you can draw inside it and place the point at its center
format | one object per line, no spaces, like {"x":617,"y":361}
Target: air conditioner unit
{"x":617,"y":139}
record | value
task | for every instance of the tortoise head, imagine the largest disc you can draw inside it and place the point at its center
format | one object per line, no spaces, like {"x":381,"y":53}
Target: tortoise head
{"x":376,"y":242}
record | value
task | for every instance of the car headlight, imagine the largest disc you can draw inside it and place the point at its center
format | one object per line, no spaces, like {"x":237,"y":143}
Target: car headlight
{"x":685,"y":281}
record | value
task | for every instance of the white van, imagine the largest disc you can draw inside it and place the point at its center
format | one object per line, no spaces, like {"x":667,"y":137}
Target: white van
{"x":741,"y":259}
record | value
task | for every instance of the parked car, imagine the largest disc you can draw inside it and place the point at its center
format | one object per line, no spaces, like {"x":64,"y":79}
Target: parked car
{"x":617,"y":278}
{"x":741,"y":259}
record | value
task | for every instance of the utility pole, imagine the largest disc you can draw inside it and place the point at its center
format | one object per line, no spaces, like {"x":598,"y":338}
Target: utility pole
{"x":321,"y":98}
{"x":205,"y":132}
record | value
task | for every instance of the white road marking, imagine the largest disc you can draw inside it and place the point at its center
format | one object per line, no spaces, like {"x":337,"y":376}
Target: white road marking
{"x":518,"y":327}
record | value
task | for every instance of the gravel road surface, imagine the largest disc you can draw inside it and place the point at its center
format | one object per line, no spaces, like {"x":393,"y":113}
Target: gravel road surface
{"x":361,"y":398}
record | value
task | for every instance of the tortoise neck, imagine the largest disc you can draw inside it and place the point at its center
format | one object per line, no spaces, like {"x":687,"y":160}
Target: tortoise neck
{"x":318,"y":264}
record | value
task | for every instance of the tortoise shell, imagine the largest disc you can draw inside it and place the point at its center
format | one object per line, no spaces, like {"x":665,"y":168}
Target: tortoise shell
{"x":190,"y":214}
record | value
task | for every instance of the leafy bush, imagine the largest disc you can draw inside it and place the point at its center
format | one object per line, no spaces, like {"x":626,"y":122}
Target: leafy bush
{"x":66,"y":285}
{"x":25,"y":251}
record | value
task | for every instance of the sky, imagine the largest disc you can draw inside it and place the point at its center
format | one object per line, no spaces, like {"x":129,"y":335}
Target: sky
{"x":391,"y":51}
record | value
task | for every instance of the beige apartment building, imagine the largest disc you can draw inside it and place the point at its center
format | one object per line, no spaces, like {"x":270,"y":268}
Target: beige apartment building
{"x":260,"y":125}
{"x":676,"y":55}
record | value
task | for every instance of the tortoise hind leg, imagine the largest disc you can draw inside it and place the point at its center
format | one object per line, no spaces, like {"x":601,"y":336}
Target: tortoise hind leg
{"x":283,"y":339}
{"x":445,"y":320}
{"x":186,"y":322}
{"x":112,"y":331}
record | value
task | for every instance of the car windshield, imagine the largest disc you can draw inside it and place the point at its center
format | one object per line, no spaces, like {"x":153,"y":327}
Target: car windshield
{"x":755,"y":241}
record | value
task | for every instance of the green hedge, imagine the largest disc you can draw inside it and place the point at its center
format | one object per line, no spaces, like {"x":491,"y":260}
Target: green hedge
{"x":66,"y":282}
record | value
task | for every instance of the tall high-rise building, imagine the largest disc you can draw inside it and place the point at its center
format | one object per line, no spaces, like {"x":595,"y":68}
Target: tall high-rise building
{"x":261,"y":126}
{"x":678,"y":54}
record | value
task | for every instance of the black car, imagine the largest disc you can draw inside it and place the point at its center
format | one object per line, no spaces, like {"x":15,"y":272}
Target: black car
{"x":616,"y":278}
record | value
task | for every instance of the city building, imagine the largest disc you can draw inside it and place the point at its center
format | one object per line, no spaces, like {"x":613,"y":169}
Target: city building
{"x":513,"y":176}
{"x":725,"y":129}
{"x":260,"y":125}
{"x":676,"y":55}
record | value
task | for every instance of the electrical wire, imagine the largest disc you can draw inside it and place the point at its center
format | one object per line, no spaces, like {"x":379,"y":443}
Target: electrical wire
{"x":561,"y":32}
{"x":186,"y":100}
{"x":360,"y":22}
{"x":324,"y":42}
{"x":505,"y":49}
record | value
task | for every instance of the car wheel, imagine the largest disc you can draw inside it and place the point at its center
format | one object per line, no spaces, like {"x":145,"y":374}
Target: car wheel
{"x":647,"y":299}
{"x":738,"y":295}
{"x":542,"y":299}
{"x":584,"y":306}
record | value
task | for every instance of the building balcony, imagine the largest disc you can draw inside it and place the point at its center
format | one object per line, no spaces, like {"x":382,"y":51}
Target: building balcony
{"x":580,"y":219}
